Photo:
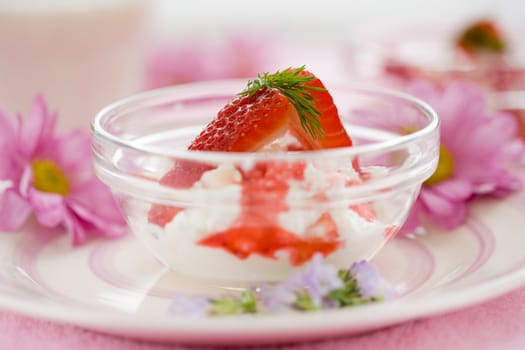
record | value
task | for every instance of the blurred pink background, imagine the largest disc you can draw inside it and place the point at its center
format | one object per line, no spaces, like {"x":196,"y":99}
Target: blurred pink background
{"x":83,"y":55}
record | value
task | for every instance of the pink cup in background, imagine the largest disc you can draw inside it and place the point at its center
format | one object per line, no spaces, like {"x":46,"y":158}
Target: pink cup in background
{"x":80,"y":55}
{"x":403,"y":53}
{"x":399,"y":57}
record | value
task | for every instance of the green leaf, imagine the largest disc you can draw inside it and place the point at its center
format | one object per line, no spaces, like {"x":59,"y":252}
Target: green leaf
{"x":292,"y":85}
{"x":246,"y":304}
{"x":225,"y":306}
{"x":349,"y":294}
{"x":304,"y":302}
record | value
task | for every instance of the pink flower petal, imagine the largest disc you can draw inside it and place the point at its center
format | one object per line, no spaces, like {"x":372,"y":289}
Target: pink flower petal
{"x":75,"y":229}
{"x":435,"y":203}
{"x":481,"y":142}
{"x":33,"y":127}
{"x":485,"y":143}
{"x":49,"y":208}
{"x":187,"y":62}
{"x":454,"y":189}
{"x":513,"y":150}
{"x":9,"y":169}
{"x":107,"y":226}
{"x":25,"y":181}
{"x":499,"y":184}
{"x":413,"y":221}
{"x":453,"y":219}
{"x":98,"y":198}
{"x":72,"y":153}
{"x":14,"y":210}
{"x":447,"y":214}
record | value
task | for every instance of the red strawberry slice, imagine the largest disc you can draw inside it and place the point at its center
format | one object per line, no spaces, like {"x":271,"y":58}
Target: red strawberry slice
{"x":266,"y":241}
{"x":183,"y":175}
{"x":161,"y":215}
{"x":292,"y":100}
{"x":270,"y":109}
{"x":247,"y":123}
{"x":334,"y":133}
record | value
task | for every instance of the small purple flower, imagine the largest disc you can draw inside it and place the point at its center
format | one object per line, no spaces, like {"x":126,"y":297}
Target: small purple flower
{"x":190,"y":305}
{"x":317,"y":286}
{"x":370,"y":282}
{"x":278,"y":297}
{"x":316,"y":278}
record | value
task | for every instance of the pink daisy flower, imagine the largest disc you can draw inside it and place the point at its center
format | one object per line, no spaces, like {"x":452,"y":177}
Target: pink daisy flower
{"x":50,"y":174}
{"x":477,"y":147}
{"x":233,"y":58}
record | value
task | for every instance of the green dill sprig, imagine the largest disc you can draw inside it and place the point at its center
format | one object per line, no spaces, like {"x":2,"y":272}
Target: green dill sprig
{"x":292,"y":85}
{"x":350,"y":294}
{"x":246,"y":304}
{"x":304,"y":302}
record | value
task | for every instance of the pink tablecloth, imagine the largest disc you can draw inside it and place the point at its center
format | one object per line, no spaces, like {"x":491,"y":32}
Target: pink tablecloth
{"x":498,"y":324}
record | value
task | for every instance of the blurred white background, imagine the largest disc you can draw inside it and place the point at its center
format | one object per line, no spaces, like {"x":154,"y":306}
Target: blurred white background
{"x":328,"y":18}
{"x":315,"y":33}
{"x":91,"y":52}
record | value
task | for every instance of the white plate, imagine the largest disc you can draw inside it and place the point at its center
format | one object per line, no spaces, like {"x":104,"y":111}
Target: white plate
{"x":116,"y":287}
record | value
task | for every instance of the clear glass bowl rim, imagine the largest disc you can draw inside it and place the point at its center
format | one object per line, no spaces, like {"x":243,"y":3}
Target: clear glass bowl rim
{"x":144,"y":100}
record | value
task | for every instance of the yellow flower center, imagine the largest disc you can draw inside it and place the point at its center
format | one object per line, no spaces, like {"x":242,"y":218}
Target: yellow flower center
{"x":445,"y":167}
{"x":407,"y":130}
{"x":47,"y":177}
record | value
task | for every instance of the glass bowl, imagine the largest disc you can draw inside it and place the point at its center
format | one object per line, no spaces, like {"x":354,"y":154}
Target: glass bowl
{"x":345,"y":203}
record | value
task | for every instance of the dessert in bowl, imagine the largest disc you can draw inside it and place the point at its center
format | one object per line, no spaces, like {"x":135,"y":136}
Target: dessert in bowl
{"x":250,"y":186}
{"x":485,"y":52}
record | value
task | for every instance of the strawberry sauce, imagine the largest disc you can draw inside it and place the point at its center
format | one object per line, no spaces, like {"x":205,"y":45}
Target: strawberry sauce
{"x":257,"y":230}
